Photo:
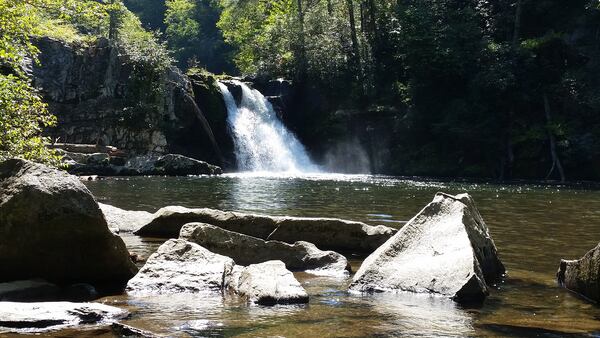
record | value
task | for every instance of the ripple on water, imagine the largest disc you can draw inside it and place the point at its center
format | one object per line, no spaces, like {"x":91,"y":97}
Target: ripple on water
{"x":533,"y":227}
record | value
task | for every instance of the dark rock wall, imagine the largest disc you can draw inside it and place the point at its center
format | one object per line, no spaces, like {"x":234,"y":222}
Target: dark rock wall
{"x":101,"y":96}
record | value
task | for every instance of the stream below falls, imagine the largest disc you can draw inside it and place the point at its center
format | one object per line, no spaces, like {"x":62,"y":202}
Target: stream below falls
{"x":534,"y":226}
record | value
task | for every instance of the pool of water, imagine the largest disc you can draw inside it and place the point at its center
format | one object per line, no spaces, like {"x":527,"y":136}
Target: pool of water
{"x":534,"y":226}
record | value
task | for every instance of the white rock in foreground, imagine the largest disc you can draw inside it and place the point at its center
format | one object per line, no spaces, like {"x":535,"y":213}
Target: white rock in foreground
{"x":181,"y":266}
{"x":39,"y":317}
{"x":446,"y":250}
{"x":270,"y":283}
{"x":120,"y":220}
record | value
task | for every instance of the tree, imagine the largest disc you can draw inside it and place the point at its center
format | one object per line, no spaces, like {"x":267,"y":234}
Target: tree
{"x":22,"y":113}
{"x":182,"y":28}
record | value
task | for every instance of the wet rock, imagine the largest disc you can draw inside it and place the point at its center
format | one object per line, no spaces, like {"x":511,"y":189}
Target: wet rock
{"x":39,"y":317}
{"x":270,"y":283}
{"x":80,"y":292}
{"x":170,"y":165}
{"x":445,"y":250}
{"x":325,"y":233}
{"x":28,"y":291}
{"x":181,"y":266}
{"x":245,"y":250}
{"x":122,"y":330}
{"x":120,"y":220}
{"x":583,"y":275}
{"x":52,"y":228}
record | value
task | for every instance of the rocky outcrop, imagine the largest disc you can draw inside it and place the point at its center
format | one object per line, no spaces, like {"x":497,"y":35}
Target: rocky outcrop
{"x":170,"y":165}
{"x":444,"y":250}
{"x":120,"y":220}
{"x":245,"y":250}
{"x":181,"y":266}
{"x":144,"y":165}
{"x":52,"y":228}
{"x":583,"y":275}
{"x":270,"y":283}
{"x":325,"y":233}
{"x":102,"y":95}
{"x":40,"y":317}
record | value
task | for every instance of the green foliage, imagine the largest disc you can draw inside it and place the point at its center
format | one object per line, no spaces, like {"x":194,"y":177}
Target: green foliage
{"x":22,"y":118}
{"x":22,"y":114}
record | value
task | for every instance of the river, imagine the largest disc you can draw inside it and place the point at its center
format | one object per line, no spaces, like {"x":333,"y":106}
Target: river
{"x":534,"y":226}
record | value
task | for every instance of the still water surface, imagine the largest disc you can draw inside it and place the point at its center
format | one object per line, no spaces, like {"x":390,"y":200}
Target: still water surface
{"x":533,"y":227}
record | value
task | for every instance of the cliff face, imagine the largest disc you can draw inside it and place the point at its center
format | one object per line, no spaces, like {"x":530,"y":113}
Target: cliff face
{"x":101,"y":96}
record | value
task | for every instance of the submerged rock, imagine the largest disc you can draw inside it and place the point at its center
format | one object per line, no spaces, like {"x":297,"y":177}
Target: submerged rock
{"x":446,"y":250}
{"x":181,"y":266}
{"x":325,"y":233}
{"x":270,"y":283}
{"x":28,"y":290}
{"x":122,"y":330}
{"x":583,"y":275}
{"x":52,"y":228}
{"x":39,"y":317}
{"x":245,"y":250}
{"x":120,"y":220}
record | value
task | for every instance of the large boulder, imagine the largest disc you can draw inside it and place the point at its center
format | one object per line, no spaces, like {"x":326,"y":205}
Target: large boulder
{"x":168,"y":221}
{"x":445,"y":250}
{"x":120,"y":220}
{"x":583,"y":275}
{"x":325,"y":233}
{"x":39,"y":317}
{"x":246,"y":250}
{"x":52,"y":228}
{"x":332,"y":233}
{"x":270,"y":283}
{"x":181,"y":266}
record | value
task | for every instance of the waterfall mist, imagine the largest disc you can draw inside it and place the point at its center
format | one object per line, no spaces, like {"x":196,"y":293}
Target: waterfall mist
{"x":261,"y":142}
{"x":347,"y":157}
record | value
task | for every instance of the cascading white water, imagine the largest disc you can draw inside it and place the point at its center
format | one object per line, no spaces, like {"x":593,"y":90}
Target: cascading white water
{"x":262,"y":143}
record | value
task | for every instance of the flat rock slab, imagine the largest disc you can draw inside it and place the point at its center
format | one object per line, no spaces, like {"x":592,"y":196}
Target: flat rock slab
{"x":325,"y":233}
{"x":583,"y":275}
{"x":52,"y":228}
{"x":246,"y":250}
{"x":445,"y":250}
{"x":270,"y":283}
{"x":120,"y":220}
{"x":40,"y":317}
{"x":179,"y":266}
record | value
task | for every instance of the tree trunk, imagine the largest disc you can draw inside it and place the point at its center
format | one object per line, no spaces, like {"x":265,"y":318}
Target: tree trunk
{"x":302,"y":64}
{"x":355,"y":57}
{"x":552,"y":140}
{"x":517,"y":28}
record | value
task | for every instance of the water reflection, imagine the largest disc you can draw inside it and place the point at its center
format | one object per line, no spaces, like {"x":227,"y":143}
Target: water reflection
{"x":533,"y":227}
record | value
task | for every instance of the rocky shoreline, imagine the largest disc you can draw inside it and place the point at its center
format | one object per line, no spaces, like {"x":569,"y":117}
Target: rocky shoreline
{"x":58,"y":244}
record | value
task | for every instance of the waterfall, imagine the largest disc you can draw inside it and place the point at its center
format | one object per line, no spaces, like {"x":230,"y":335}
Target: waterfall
{"x":261,"y":142}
